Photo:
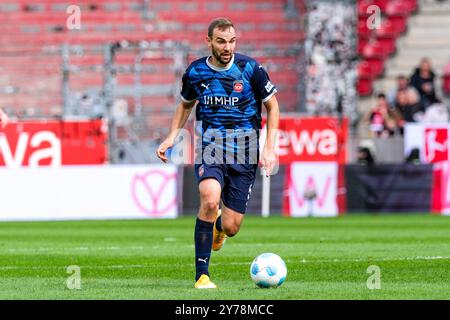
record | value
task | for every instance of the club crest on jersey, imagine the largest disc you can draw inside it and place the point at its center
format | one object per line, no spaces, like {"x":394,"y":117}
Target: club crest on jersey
{"x":238,"y":86}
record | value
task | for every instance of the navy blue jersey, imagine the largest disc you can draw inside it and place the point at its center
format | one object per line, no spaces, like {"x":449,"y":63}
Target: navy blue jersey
{"x":229,"y":98}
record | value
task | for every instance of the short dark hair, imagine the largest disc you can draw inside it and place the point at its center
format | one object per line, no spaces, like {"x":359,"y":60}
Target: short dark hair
{"x":381,"y":96}
{"x":221,"y":24}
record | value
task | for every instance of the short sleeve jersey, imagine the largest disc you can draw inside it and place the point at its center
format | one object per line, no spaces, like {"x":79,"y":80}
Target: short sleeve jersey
{"x":229,"y":97}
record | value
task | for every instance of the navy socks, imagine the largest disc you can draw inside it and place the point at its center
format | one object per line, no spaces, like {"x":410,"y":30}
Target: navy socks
{"x":203,"y":237}
{"x":219,"y":223}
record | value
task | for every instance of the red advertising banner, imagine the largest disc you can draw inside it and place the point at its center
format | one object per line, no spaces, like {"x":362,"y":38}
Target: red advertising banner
{"x":321,"y":139}
{"x":53,"y":143}
{"x":440,"y":194}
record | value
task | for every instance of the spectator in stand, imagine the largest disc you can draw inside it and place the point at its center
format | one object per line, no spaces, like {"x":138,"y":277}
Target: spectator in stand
{"x":364,"y":156}
{"x":3,"y":119}
{"x":405,"y":106}
{"x":408,"y":109}
{"x":383,"y":120}
{"x":413,"y":157}
{"x":423,"y":80}
{"x":402,"y":84}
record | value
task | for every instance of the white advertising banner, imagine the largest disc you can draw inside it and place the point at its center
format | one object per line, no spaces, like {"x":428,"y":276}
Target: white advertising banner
{"x":313,"y":189}
{"x":430,"y":139}
{"x":88,"y":192}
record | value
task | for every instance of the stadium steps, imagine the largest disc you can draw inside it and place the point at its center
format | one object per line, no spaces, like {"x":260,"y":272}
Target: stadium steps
{"x":428,"y":35}
{"x":34,"y":31}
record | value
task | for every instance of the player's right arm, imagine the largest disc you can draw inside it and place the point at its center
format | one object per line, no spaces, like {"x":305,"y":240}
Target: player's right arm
{"x":179,"y":119}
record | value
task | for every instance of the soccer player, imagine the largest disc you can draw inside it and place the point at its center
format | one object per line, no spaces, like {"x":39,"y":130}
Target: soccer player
{"x":3,"y":119}
{"x":228,"y":90}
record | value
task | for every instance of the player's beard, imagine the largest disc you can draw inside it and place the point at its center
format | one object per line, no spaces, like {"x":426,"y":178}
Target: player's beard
{"x":220,"y":58}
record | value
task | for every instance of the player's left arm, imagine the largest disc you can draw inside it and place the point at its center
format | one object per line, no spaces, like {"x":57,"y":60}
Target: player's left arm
{"x":268,"y":157}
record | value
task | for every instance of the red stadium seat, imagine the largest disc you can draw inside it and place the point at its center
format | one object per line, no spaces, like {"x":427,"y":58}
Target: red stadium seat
{"x":377,"y":65}
{"x":397,"y":8}
{"x":397,"y":13}
{"x":365,"y":87}
{"x":411,"y":5}
{"x":400,"y":23}
{"x":376,"y":49}
{"x":446,"y":84}
{"x":361,"y":45}
{"x":363,"y":30}
{"x":382,"y":4}
{"x":446,"y":80}
{"x":365,"y":70}
{"x":388,"y":45}
{"x":28,"y":33}
{"x":362,"y":7}
{"x":387,"y":30}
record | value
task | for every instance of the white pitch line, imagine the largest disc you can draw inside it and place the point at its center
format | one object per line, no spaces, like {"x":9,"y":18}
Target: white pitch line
{"x":379,"y":259}
{"x":44,"y":249}
{"x":131,"y":266}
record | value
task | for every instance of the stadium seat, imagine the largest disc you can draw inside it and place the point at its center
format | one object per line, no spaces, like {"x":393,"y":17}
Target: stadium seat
{"x":446,"y":80}
{"x":365,"y":70}
{"x":377,"y":65}
{"x":362,"y":7}
{"x":446,"y":84}
{"x":382,"y":4}
{"x":361,"y":45}
{"x":410,"y":5}
{"x":387,"y":30}
{"x":363,"y":30}
{"x":376,"y":49}
{"x":387,"y":44}
{"x":397,"y":8}
{"x":397,"y":13}
{"x":218,"y":6}
{"x":399,"y":23}
{"x":33,"y":27}
{"x":365,"y":87}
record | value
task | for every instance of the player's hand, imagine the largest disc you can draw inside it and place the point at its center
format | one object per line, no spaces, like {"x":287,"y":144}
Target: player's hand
{"x":3,"y":119}
{"x":161,"y":151}
{"x":268,"y":160}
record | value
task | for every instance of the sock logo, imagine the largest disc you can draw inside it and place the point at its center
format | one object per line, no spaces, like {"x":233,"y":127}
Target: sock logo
{"x":204,"y":260}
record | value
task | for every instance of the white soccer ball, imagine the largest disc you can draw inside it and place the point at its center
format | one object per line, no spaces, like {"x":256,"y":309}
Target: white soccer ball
{"x":268,"y":270}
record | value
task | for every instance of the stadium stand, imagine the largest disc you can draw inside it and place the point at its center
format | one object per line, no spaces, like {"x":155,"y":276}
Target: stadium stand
{"x":33,"y":68}
{"x":420,"y":29}
{"x":376,"y":44}
{"x":446,"y":80}
{"x":32,"y":63}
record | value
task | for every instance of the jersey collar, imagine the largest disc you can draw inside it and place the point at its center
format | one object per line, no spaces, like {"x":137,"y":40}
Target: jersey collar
{"x":227,"y":67}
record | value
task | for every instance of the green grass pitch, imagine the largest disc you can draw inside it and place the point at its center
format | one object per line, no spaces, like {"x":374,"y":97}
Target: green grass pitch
{"x":327,"y":258}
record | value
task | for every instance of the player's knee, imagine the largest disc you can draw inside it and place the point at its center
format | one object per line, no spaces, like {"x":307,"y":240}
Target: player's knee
{"x":210,"y":206}
{"x":231,"y":230}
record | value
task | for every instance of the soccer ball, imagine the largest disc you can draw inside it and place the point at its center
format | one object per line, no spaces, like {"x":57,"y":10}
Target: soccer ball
{"x":268,"y":270}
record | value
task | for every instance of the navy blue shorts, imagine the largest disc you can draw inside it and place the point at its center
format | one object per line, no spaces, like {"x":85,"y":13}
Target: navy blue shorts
{"x":236,"y":181}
